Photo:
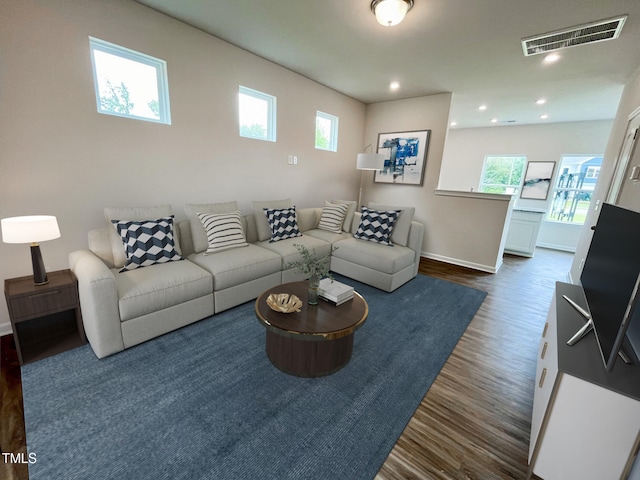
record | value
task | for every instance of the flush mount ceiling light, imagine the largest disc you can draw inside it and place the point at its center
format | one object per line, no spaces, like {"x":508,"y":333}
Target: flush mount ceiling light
{"x":390,"y":12}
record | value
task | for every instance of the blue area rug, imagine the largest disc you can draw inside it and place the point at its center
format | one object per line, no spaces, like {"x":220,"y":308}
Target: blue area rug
{"x":204,"y":402}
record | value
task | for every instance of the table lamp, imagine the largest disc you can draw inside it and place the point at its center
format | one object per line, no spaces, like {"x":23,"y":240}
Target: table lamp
{"x":32,"y":229}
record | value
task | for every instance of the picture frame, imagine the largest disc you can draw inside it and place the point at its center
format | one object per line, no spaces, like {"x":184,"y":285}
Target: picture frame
{"x":537,"y":180}
{"x":405,"y":157}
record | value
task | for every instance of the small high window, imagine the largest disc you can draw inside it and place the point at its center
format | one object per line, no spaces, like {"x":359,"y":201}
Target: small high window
{"x":129,"y":84}
{"x":257,"y":114}
{"x":502,"y":174}
{"x":326,"y":132}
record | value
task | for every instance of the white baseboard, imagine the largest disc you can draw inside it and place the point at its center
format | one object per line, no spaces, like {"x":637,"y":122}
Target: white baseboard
{"x":462,"y":263}
{"x":551,"y":246}
{"x":5,"y":329}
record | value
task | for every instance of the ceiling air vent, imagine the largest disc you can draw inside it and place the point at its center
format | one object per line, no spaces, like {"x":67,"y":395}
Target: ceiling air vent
{"x":572,"y":37}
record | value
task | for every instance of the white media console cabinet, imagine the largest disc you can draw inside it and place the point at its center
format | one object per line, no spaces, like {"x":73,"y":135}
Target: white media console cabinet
{"x":586,"y":422}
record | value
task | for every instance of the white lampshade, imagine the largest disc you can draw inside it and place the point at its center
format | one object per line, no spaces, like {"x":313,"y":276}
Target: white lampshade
{"x":370,"y":161}
{"x":390,"y":12}
{"x":29,"y":229}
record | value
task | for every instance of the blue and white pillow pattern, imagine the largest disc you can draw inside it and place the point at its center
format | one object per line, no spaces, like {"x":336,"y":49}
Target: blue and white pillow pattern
{"x":224,"y":231}
{"x":332,"y":217}
{"x":147,"y":242}
{"x":377,"y":225}
{"x":283,"y":223}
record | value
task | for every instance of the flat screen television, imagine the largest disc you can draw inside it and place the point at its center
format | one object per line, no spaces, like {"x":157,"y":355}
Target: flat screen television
{"x":610,"y":279}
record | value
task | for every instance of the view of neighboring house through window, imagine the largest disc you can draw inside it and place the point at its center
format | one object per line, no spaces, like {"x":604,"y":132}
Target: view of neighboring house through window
{"x":256,"y":114}
{"x":575,"y":182}
{"x":502,"y":174}
{"x":129,"y":84}
{"x":326,"y":132}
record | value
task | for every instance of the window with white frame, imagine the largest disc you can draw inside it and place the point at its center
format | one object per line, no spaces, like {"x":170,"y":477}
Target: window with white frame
{"x":575,"y":181}
{"x":256,"y":114}
{"x":129,"y":84}
{"x":326,"y":132}
{"x":502,"y":174}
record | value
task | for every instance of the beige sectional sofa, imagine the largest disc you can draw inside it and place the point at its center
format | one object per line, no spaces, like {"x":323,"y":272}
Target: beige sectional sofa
{"x":121,"y":309}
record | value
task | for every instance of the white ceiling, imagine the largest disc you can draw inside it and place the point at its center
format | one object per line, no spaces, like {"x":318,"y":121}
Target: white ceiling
{"x":469,"y":47}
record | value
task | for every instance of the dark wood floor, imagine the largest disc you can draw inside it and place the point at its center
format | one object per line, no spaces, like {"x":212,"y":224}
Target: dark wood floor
{"x":473,"y":423}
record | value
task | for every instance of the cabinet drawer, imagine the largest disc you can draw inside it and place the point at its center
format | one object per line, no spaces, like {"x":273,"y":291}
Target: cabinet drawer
{"x":39,"y":303}
{"x":546,"y":374}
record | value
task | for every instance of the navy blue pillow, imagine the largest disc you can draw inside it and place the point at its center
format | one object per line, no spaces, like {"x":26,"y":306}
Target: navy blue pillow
{"x":376,"y":225}
{"x":283,"y":223}
{"x":147,"y":242}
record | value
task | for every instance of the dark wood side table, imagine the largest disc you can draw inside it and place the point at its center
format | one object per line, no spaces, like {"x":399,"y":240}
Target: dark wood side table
{"x":45,"y":319}
{"x":314,"y":342}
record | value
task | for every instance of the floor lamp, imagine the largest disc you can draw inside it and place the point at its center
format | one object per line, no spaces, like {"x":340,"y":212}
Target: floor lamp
{"x":368,"y":161}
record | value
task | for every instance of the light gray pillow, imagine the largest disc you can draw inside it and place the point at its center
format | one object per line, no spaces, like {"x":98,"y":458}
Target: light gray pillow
{"x":348,"y":219}
{"x":400,"y":233}
{"x":262,"y":224}
{"x":137,"y":214}
{"x":198,"y":233}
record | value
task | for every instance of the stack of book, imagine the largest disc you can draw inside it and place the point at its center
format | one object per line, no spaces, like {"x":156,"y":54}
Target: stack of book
{"x":334,"y":292}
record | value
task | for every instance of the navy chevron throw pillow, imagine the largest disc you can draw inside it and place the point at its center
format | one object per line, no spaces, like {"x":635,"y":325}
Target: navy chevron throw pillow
{"x":376,"y":225}
{"x":147,"y":242}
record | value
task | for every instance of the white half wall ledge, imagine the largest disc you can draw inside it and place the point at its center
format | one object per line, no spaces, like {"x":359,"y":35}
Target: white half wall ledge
{"x":503,"y":197}
{"x":463,"y":263}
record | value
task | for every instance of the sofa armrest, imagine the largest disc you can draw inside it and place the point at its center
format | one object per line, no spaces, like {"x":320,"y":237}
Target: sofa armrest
{"x":416,"y":237}
{"x":98,"y":302}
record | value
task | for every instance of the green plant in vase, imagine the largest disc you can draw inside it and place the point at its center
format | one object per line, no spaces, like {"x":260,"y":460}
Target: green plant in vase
{"x":315,"y":267}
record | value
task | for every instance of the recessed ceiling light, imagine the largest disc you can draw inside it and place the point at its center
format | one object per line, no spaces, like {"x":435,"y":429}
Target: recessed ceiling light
{"x":552,"y":57}
{"x":482,"y":108}
{"x":453,"y":124}
{"x":544,"y":117}
{"x":494,"y":120}
{"x":541,"y":101}
{"x":394,"y":85}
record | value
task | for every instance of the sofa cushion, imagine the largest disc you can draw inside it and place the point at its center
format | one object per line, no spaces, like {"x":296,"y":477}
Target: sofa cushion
{"x":147,"y":242}
{"x":147,"y":290}
{"x":224,"y":231}
{"x":283,"y":223}
{"x":133,"y":213}
{"x":329,"y":237}
{"x":262,"y":225}
{"x":376,"y":226}
{"x":374,"y":256}
{"x":198,"y":234}
{"x":289,"y":253}
{"x":400,"y":234}
{"x":348,"y":219}
{"x":239,"y":265}
{"x":333,"y":215}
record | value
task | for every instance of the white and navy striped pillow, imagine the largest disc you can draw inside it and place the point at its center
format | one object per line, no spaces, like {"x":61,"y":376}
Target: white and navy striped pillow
{"x":224,"y":231}
{"x":332,"y":217}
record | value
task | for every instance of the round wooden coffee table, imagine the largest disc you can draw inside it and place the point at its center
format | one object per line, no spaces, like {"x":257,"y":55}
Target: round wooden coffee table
{"x":316,"y":341}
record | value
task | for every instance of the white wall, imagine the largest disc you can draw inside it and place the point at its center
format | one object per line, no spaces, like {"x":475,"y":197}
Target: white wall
{"x":629,"y":102}
{"x":58,"y":156}
{"x":466,"y":149}
{"x":461,"y":230}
